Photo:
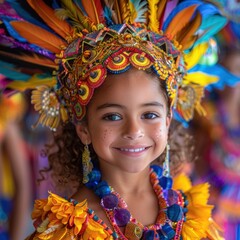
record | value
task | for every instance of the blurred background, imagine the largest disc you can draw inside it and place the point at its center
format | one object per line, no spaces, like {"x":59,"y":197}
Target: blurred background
{"x":216,"y":137}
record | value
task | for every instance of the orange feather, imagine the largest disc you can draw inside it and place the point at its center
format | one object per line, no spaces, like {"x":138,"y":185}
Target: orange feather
{"x":48,"y":15}
{"x":160,"y":12}
{"x":92,"y":10}
{"x":186,"y":36}
{"x":124,"y":10}
{"x":34,"y":59}
{"x":180,"y":20}
{"x":38,"y":36}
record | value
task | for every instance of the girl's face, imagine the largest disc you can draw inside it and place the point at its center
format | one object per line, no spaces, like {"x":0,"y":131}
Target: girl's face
{"x":127,"y":121}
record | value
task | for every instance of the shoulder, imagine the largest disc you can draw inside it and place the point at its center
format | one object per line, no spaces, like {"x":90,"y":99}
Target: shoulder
{"x":57,"y":218}
{"x":198,"y":223}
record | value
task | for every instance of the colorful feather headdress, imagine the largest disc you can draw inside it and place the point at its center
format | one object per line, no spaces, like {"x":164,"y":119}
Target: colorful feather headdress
{"x":64,"y":50}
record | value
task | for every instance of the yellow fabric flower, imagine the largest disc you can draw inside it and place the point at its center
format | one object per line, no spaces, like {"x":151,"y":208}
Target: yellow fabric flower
{"x":66,"y":221}
{"x":198,"y":223}
{"x":95,"y":231}
{"x":38,"y":210}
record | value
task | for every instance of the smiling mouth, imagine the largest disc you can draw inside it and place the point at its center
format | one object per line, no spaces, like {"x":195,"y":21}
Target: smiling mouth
{"x":133,"y":150}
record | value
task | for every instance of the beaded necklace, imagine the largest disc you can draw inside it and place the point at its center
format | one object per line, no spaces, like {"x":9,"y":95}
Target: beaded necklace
{"x":170,"y":216}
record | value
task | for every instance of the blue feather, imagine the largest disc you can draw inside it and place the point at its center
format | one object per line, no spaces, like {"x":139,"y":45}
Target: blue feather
{"x":108,"y":16}
{"x":13,"y":33}
{"x":9,"y":71}
{"x":55,"y":4}
{"x":210,"y":26}
{"x":177,"y":117}
{"x":79,"y":4}
{"x":236,"y":29}
{"x":225,"y":77}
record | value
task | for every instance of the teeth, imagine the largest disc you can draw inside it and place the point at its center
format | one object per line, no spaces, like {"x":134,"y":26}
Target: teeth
{"x":132,"y":149}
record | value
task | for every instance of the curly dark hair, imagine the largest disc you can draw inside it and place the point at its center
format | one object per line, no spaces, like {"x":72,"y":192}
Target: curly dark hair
{"x":65,"y":152}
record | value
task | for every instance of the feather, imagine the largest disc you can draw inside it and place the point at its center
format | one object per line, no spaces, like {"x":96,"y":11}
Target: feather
{"x":175,"y":10}
{"x":42,"y":39}
{"x":210,"y":26}
{"x":138,"y":11}
{"x":180,"y":20}
{"x":9,"y":71}
{"x":48,"y":15}
{"x":33,"y":81}
{"x":34,"y":59}
{"x":25,"y":14}
{"x":93,"y":9}
{"x":193,"y":57}
{"x":75,"y":14}
{"x":186,"y":36}
{"x":108,"y":16}
{"x":13,"y":33}
{"x":152,"y":15}
{"x":225,"y":77}
{"x":160,"y":13}
{"x":124,"y":10}
{"x":111,"y":16}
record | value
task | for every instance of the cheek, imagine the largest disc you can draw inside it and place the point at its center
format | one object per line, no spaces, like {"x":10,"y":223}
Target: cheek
{"x":160,"y":134}
{"x":102,"y":135}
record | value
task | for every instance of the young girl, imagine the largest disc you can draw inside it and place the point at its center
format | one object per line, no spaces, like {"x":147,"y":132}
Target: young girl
{"x":118,"y":80}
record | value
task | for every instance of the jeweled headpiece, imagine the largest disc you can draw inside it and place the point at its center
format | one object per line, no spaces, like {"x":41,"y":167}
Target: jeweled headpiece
{"x":82,"y":41}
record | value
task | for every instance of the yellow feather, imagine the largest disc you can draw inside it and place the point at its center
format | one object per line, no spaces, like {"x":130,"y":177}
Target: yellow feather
{"x":133,"y":12}
{"x":180,"y":20}
{"x":72,"y":11}
{"x":186,"y":36}
{"x":35,"y":59}
{"x":38,"y":36}
{"x":153,"y":23}
{"x":200,"y":78}
{"x":32,"y":83}
{"x":124,"y":10}
{"x":48,"y":15}
{"x":193,"y":57}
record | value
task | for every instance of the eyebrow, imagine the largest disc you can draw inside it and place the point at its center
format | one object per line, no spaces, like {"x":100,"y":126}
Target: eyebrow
{"x":110,"y":105}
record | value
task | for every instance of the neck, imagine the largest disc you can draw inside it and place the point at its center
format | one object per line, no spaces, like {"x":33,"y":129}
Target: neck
{"x":127,"y":182}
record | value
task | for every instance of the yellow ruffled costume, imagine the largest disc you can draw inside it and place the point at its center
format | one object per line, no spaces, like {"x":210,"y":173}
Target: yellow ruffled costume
{"x":58,"y":218}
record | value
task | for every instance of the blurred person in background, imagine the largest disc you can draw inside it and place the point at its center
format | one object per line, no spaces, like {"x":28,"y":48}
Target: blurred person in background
{"x":15,"y":187}
{"x":218,"y":135}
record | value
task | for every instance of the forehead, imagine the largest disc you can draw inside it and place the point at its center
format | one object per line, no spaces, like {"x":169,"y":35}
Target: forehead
{"x":132,"y":85}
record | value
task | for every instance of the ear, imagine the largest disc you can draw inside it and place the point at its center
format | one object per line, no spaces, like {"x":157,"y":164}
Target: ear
{"x":83,"y":133}
{"x":169,"y":118}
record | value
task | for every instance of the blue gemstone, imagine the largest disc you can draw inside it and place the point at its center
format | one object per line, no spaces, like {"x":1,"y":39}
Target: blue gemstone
{"x":175,"y":212}
{"x":157,"y":169}
{"x":166,"y":182}
{"x":122,"y":216}
{"x":168,"y":231}
{"x":94,"y":175}
{"x":102,"y":189}
{"x":109,"y":201}
{"x":150,"y":235}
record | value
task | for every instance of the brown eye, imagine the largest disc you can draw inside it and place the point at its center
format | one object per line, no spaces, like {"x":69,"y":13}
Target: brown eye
{"x":150,"y":115}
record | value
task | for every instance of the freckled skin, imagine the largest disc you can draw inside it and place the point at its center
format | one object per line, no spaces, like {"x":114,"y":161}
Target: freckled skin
{"x":130,"y":112}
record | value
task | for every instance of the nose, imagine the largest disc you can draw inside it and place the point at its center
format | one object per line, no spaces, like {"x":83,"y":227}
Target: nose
{"x":133,"y":130}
